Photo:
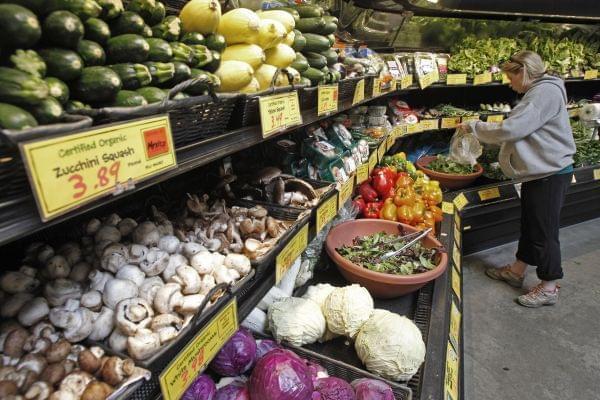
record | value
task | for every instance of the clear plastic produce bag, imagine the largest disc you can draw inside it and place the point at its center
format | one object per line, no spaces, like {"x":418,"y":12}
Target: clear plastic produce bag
{"x":465,"y":148}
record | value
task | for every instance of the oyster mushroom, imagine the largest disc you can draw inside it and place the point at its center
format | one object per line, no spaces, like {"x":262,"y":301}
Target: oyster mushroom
{"x":143,"y":345}
{"x":175,"y":261}
{"x":71,"y":251}
{"x":57,"y":267}
{"x":11,"y":306}
{"x":103,"y":324}
{"x":114,"y":256}
{"x":131,"y":272}
{"x":137,"y":253}
{"x":16,"y":282}
{"x":169,"y":244}
{"x":233,"y":235}
{"x":146,"y":234}
{"x":58,"y":291}
{"x":80,"y":271}
{"x":98,"y":280}
{"x":156,"y":261}
{"x":126,"y":226}
{"x":196,"y":205}
{"x":76,"y":382}
{"x":116,"y":290}
{"x":149,"y":288}
{"x":188,"y":278}
{"x":33,"y":311}
{"x":92,"y":300}
{"x":132,"y":315}
{"x":212,"y":244}
{"x":167,"y":326}
{"x":107,"y":233}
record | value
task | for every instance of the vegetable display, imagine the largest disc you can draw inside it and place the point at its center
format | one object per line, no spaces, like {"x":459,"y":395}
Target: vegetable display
{"x":446,"y":165}
{"x":366,"y":251}
{"x":237,"y":356}
{"x":296,"y":320}
{"x":203,"y":387}
{"x":588,"y":148}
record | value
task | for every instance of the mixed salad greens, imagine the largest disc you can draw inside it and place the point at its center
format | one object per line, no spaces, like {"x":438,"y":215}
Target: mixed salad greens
{"x":588,"y":149}
{"x":444,"y":164}
{"x":366,"y":251}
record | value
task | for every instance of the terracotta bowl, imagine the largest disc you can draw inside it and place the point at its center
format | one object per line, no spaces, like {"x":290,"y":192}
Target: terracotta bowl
{"x":448,"y":181}
{"x":380,"y":285}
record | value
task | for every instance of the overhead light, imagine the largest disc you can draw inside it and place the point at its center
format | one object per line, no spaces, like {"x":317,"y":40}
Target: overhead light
{"x":433,"y":1}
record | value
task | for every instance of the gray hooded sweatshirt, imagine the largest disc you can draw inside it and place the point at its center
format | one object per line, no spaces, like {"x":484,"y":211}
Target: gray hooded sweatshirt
{"x":536,"y":138}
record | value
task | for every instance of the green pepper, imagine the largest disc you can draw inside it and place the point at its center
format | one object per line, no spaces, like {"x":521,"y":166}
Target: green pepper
{"x":182,"y":53}
{"x":160,"y":72}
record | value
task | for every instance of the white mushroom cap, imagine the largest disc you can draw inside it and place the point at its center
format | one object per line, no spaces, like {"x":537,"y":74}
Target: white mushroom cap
{"x":108,"y":232}
{"x":175,"y":261}
{"x":238,"y":262}
{"x":191,"y":248}
{"x":98,"y":279}
{"x":137,"y":253}
{"x":188,"y":278}
{"x":92,"y":300}
{"x":131,"y":272}
{"x":103,"y":324}
{"x":143,"y":345}
{"x":126,"y":226}
{"x":170,"y":244}
{"x":17,"y":281}
{"x":146,"y":233}
{"x":11,"y":306}
{"x":114,"y":256}
{"x":156,"y":261}
{"x":133,"y":314}
{"x":150,"y":287}
{"x":58,"y":291}
{"x":116,"y":290}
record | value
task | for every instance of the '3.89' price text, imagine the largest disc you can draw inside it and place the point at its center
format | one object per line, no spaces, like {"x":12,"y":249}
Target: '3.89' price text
{"x":104,"y":177}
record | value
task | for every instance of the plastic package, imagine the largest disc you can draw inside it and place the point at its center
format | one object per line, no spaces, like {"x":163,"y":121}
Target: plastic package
{"x":256,"y":321}
{"x":465,"y":148}
{"x":377,"y":111}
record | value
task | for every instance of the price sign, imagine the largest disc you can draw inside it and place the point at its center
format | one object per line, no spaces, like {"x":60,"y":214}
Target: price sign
{"x":397,"y":131}
{"x":196,"y":355}
{"x":362,"y":173}
{"x":456,"y":79}
{"x":470,"y":118}
{"x":450,"y":122}
{"x":391,"y":139}
{"x":482,"y":79}
{"x":359,"y":92}
{"x":414,"y":128}
{"x":279,"y":112}
{"x":326,"y":212}
{"x":290,"y":252}
{"x":69,"y":171}
{"x":429,"y":124}
{"x":447,"y":207}
{"x":596,"y":174}
{"x":495,"y":118}
{"x":456,"y":257}
{"x":372,"y":161}
{"x":451,"y":375}
{"x":489,"y":194}
{"x":505,"y":80}
{"x":381,"y":150}
{"x":429,"y":79}
{"x":457,"y":235}
{"x":455,"y":282}
{"x":376,"y":87}
{"x":327,"y":99}
{"x":460,"y":201}
{"x":454,"y":331}
{"x":345,"y":192}
{"x":406,"y":81}
{"x":590,"y":74}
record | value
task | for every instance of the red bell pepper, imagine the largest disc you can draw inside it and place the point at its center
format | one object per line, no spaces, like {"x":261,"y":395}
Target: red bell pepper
{"x":381,"y":181}
{"x":367,"y":192}
{"x":360,"y":204}
{"x":372,"y":209}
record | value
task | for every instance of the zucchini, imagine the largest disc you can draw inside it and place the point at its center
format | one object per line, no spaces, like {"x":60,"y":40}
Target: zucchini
{"x":311,"y":25}
{"x":13,"y":117}
{"x":84,"y":9}
{"x":48,"y":111}
{"x":58,"y":89}
{"x":91,"y":53}
{"x":73,"y":106}
{"x":201,"y":87}
{"x":160,"y":72}
{"x":20,"y":27}
{"x":305,"y":81}
{"x":215,"y":63}
{"x":182,"y":53}
{"x":329,"y":28}
{"x":29,"y":61}
{"x":19,"y":87}
{"x":127,"y":22}
{"x":216,"y":42}
{"x":111,"y":9}
{"x":299,"y":41}
{"x":127,"y":48}
{"x":62,"y":29}
{"x":193,"y":38}
{"x":316,"y":60}
{"x":96,"y":30}
{"x":147,"y":31}
{"x":129,"y":98}
{"x":315,"y":75}
{"x":145,"y":8}
{"x":331,"y":38}
{"x":158,"y":14}
{"x":201,"y":55}
{"x":316,"y":43}
{"x":35,"y":6}
{"x":331,"y":56}
{"x":309,"y":11}
{"x":182,"y":73}
{"x":97,"y":85}
{"x":152,"y":94}
{"x":63,"y":64}
{"x":168,"y":29}
{"x":300,"y":64}
{"x":160,"y":50}
{"x":133,"y":76}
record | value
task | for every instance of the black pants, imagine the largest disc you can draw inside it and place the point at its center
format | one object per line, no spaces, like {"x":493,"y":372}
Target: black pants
{"x":541,"y":202}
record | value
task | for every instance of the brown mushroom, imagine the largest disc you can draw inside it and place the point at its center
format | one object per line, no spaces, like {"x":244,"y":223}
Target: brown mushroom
{"x":115,"y":370}
{"x":53,"y":374}
{"x":14,"y":342}
{"x":8,"y":388}
{"x":58,"y":351}
{"x":96,"y":390}
{"x":88,"y":361}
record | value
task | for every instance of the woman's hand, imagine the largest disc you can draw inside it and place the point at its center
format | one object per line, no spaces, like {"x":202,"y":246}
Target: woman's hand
{"x":464,"y":127}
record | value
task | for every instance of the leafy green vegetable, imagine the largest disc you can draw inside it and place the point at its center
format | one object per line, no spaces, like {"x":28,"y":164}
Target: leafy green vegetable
{"x":446,"y":165}
{"x":588,"y":149}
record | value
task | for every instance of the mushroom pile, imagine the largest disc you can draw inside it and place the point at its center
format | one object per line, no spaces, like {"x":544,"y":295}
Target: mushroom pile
{"x":135,"y":286}
{"x":229,"y":230}
{"x":39,"y":363}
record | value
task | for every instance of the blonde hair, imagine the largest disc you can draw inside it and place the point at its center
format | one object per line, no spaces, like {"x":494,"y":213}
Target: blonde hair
{"x":532,"y":64}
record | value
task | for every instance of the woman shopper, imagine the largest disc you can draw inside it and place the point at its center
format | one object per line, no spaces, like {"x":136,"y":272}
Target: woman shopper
{"x":537,"y":146}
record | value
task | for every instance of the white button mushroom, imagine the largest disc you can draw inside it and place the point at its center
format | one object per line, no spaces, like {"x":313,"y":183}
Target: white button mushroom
{"x":188,"y":278}
{"x":80,"y":271}
{"x":103,"y":324}
{"x":116,"y":290}
{"x":131,"y":272}
{"x":149,"y":288}
{"x":107,"y":232}
{"x":175,"y":261}
{"x":205,"y":262}
{"x":92,"y":300}
{"x":93,"y":226}
{"x":17,"y":281}
{"x":143,"y":345}
{"x":117,"y":341}
{"x":208,"y":282}
{"x":126,"y":226}
{"x":156,"y":261}
{"x":132,"y":315}
{"x":167,"y":326}
{"x":58,"y":291}
{"x":166,"y":298}
{"x":137,"y":253}
{"x":170,"y":244}
{"x":76,"y":382}
{"x":114,"y":257}
{"x":98,"y":279}
{"x":77,"y":324}
{"x":191,"y":248}
{"x":71,"y":251}
{"x":238,"y":262}
{"x":11,"y":306}
{"x":58,"y":267}
{"x":146,"y":234}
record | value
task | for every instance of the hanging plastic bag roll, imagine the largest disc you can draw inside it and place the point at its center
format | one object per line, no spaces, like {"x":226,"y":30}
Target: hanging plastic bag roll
{"x":465,"y":148}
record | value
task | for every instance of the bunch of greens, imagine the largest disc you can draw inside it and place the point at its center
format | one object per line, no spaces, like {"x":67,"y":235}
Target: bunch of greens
{"x":448,"y":110}
{"x":489,"y":163}
{"x":366,"y":251}
{"x":560,"y":56}
{"x":446,"y":165}
{"x":588,"y":149}
{"x":474,"y":56}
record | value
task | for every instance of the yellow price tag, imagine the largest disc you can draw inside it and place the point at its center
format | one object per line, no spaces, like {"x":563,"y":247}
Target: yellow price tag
{"x":454,"y":331}
{"x":372,"y":161}
{"x":596,"y":174}
{"x":326,"y":212}
{"x":414,"y":128}
{"x":450,"y":122}
{"x":447,"y":207}
{"x":495,"y":118}
{"x":457,"y":220}
{"x":381,"y":150}
{"x":428,"y":79}
{"x":327,"y":99}
{"x":505,"y":80}
{"x":359,"y":92}
{"x":451,"y":375}
{"x":391,"y":139}
{"x":460,"y":201}
{"x":489,"y":194}
{"x":279,"y":112}
{"x":69,"y":171}
{"x":470,"y":118}
{"x":376,"y":87}
{"x":429,"y":124}
{"x":457,"y":235}
{"x":456,"y":282}
{"x":290,"y":252}
{"x":196,"y":355}
{"x":590,"y":74}
{"x":482,"y":79}
{"x":456,"y":257}
{"x":345,"y":192}
{"x":456,"y":79}
{"x":406,"y":81}
{"x":362,"y":173}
